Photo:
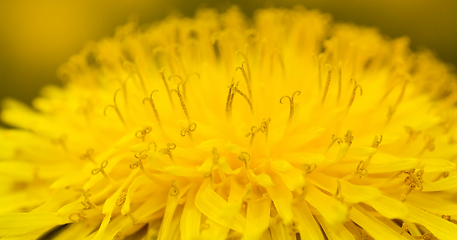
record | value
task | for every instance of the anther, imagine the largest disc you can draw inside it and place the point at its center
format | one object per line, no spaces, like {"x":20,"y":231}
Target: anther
{"x":60,"y":141}
{"x":338,"y":195}
{"x":115,"y":107}
{"x":88,"y":156}
{"x":244,"y":157}
{"x":188,"y":131}
{"x":143,"y":132}
{"x":429,"y":145}
{"x":77,"y":217}
{"x":174,"y":191}
{"x":354,"y":91}
{"x":414,"y":181}
{"x":308,"y":168}
{"x":348,"y":138}
{"x":334,"y":139}
{"x":162,"y":74}
{"x":170,"y":146}
{"x":361,"y":170}
{"x":121,"y":199}
{"x":102,"y":171}
{"x":231,"y":94}
{"x":327,"y":83}
{"x":291,"y":102}
{"x":183,"y":105}
{"x":153,"y":106}
{"x":264,"y":127}
{"x":252,"y":133}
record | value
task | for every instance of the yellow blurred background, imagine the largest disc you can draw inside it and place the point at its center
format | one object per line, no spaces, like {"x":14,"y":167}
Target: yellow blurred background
{"x":36,"y":36}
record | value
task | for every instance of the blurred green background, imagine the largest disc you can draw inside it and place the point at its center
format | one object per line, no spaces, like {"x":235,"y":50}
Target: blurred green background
{"x":36,"y":36}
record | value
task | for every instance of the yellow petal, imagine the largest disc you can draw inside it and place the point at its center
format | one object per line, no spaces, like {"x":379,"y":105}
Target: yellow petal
{"x":306,"y":224}
{"x":22,"y":223}
{"x":280,"y":232}
{"x":442,"y":229}
{"x":333,"y":211}
{"x":216,"y":208}
{"x":257,"y":217}
{"x":437,"y":165}
{"x":190,"y":219}
{"x":443,"y":184}
{"x":373,"y":226}
{"x":388,"y":207}
{"x":282,"y":198}
{"x":338,"y":231}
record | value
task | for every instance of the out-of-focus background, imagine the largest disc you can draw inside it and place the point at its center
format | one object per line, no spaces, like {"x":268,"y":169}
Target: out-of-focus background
{"x":36,"y":36}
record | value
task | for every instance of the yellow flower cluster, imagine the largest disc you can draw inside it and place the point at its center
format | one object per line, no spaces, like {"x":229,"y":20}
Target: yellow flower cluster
{"x":285,"y":126}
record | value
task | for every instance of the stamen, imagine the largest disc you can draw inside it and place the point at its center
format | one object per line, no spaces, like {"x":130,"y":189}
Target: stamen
{"x":61,"y":141}
{"x":308,"y":168}
{"x":133,"y":69}
{"x":393,"y":109}
{"x":248,"y":82}
{"x":414,"y":181}
{"x":77,"y":217}
{"x":348,"y":138}
{"x":143,"y":132}
{"x":247,"y":99}
{"x":412,"y":134}
{"x":153,"y":106}
{"x":102,"y":171}
{"x":183,"y":105}
{"x":174,"y":191}
{"x":170,"y":146}
{"x":354,"y":91}
{"x":338,"y":195}
{"x":252,"y":133}
{"x":327,"y":84}
{"x":121,"y":199}
{"x":228,"y":106}
{"x":248,"y":70}
{"x":291,"y":102}
{"x":88,"y":156}
{"x":155,"y":146}
{"x":334,"y":139}
{"x":404,"y":228}
{"x":429,"y":145}
{"x":115,"y":107}
{"x":189,"y":130}
{"x":244,"y":157}
{"x":361,"y":170}
{"x":86,"y":203}
{"x":264,"y":127}
{"x":318,"y":62}
{"x":162,"y":74}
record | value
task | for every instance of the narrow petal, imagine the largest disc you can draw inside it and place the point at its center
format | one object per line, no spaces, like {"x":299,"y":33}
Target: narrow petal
{"x":306,"y":224}
{"x":441,"y":228}
{"x":333,"y":211}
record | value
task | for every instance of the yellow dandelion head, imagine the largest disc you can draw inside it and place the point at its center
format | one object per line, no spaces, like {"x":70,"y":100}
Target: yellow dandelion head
{"x":284,"y":126}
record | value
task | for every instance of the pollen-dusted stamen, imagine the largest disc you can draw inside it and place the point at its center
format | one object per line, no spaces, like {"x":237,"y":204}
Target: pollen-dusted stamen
{"x":102,"y":171}
{"x":327,"y":83}
{"x":88,"y":156}
{"x":188,"y":131}
{"x":334,"y":139}
{"x":87,"y":203}
{"x":252,"y":133}
{"x":143,"y":132}
{"x":393,"y":108}
{"x":153,"y":106}
{"x":162,"y":74}
{"x":264,"y":127}
{"x":183,"y":105}
{"x":245,"y":97}
{"x":121,"y":199}
{"x":244,"y":157}
{"x":215,"y":163}
{"x":338,"y":195}
{"x":231,"y":94}
{"x":134,"y":69}
{"x":429,"y":144}
{"x":412,"y":133}
{"x":361,"y":170}
{"x":170,"y":146}
{"x":291,"y":101}
{"x":77,"y":217}
{"x":248,"y":82}
{"x":348,"y":138}
{"x":61,"y":141}
{"x":115,"y":107}
{"x":354,"y":91}
{"x":308,"y":168}
{"x":184,"y":83}
{"x":414,"y":181}
{"x":174,"y":191}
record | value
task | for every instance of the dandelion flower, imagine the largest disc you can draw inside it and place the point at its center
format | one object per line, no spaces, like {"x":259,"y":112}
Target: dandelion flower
{"x":284,"y":126}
